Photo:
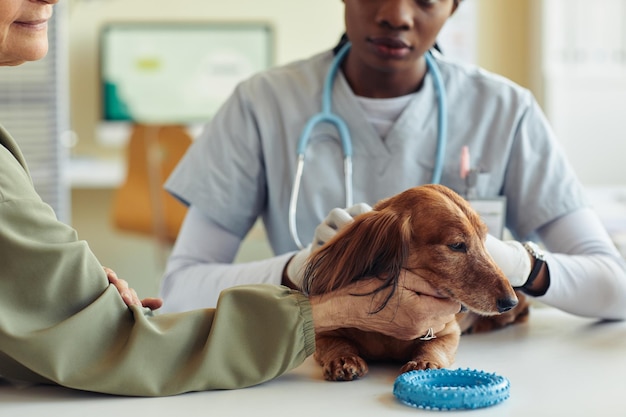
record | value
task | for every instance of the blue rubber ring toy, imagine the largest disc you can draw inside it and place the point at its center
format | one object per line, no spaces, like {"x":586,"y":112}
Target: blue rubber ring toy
{"x":445,"y":389}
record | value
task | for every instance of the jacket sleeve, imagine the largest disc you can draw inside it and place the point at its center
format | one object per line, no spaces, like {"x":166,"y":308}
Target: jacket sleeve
{"x":62,"y":323}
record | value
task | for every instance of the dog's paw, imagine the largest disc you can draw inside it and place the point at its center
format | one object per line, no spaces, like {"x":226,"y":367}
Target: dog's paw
{"x":345,"y":368}
{"x":420,"y":365}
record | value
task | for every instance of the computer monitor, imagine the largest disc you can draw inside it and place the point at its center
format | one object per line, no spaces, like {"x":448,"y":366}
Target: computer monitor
{"x":177,"y":72}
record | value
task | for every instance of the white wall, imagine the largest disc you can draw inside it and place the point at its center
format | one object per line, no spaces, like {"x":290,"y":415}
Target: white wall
{"x":584,"y":81}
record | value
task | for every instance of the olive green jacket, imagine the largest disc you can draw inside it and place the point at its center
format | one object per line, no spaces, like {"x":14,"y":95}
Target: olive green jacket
{"x":62,"y":323}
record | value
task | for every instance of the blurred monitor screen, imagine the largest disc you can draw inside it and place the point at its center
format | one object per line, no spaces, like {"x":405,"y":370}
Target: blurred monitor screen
{"x":179,"y":72}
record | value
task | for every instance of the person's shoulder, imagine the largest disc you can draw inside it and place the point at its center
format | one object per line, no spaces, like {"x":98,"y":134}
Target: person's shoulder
{"x":15,"y":180}
{"x":314,"y":63}
{"x":11,"y":145}
{"x":302,"y":73}
{"x":467,"y":78}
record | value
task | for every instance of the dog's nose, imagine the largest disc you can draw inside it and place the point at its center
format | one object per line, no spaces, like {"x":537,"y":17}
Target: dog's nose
{"x":505,"y":304}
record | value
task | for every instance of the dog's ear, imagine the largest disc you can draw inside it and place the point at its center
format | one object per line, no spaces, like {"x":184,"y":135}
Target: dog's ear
{"x":376,"y":244}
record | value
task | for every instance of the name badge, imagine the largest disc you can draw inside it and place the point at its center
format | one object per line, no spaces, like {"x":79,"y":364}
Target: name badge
{"x":493,"y":213}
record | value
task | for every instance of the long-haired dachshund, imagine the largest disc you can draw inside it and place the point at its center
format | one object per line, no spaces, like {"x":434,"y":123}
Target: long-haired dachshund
{"x":431,"y":231}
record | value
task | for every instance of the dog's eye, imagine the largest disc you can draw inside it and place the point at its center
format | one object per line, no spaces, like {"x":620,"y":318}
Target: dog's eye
{"x":458,"y":247}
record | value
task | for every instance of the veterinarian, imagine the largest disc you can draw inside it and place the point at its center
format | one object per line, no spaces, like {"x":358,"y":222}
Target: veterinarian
{"x":387,"y":95}
{"x":62,"y":323}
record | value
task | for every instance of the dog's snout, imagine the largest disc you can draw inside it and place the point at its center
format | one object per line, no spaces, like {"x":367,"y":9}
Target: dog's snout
{"x":505,"y":304}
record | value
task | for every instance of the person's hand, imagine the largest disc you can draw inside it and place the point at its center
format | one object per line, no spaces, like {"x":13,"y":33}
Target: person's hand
{"x":335,"y":221}
{"x":129,"y":295}
{"x":511,"y":257}
{"x":414,"y":307}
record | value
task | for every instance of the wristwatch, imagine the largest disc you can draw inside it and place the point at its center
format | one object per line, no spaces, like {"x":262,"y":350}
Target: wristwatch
{"x":537,"y":253}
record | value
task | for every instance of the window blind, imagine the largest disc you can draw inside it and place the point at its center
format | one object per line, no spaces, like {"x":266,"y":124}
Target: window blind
{"x":34,"y":109}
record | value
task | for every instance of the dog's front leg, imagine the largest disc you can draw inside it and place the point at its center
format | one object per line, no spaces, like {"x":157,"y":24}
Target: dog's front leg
{"x":436,"y":353}
{"x":339,"y":358}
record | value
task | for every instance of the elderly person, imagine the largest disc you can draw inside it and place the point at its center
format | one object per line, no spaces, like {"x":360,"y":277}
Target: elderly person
{"x":61,"y":322}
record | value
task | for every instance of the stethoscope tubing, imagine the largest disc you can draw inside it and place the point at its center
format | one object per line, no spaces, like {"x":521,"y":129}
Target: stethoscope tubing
{"x":442,"y":118}
{"x":327,"y":116}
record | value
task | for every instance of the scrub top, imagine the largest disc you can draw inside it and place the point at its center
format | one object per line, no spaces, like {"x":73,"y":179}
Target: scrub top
{"x":244,"y":163}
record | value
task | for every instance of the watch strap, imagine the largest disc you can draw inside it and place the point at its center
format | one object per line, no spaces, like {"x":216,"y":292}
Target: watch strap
{"x":539,"y":261}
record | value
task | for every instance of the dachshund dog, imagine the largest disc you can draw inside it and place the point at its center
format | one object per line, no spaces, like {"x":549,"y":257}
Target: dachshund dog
{"x":433,"y":232}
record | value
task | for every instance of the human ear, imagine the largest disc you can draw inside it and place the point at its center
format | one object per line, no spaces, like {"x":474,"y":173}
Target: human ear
{"x":455,"y":6}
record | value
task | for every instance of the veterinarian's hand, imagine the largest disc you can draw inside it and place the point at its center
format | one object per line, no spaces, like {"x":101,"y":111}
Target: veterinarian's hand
{"x":414,"y":308}
{"x":512,"y":259}
{"x":335,"y":221}
{"x":129,"y":295}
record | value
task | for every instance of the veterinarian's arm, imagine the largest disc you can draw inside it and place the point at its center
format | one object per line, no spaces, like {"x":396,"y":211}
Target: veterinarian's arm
{"x":408,"y":314}
{"x":200,"y":266}
{"x":587,"y":273}
{"x":584,"y":273}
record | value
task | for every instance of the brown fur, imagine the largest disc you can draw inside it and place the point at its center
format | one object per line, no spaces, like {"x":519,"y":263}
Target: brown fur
{"x":433,"y":232}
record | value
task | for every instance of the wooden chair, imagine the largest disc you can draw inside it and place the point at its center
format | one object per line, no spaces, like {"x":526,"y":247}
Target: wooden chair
{"x":141,"y":204}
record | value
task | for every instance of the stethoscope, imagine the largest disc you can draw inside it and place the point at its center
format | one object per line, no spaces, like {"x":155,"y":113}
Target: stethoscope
{"x":327,"y":116}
